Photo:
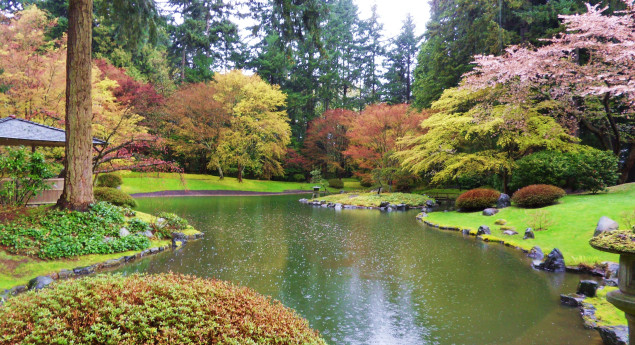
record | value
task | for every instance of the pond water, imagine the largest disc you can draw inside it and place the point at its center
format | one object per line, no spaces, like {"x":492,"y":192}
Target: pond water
{"x":367,"y":277}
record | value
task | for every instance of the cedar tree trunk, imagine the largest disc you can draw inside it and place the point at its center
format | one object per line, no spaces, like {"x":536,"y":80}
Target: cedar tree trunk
{"x":78,"y":187}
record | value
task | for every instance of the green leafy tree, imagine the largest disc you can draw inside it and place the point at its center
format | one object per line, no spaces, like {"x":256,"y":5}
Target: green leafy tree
{"x":474,"y":133}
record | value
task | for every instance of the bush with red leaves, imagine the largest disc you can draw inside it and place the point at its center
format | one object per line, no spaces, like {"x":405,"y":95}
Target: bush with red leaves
{"x":477,"y":199}
{"x":537,"y":195}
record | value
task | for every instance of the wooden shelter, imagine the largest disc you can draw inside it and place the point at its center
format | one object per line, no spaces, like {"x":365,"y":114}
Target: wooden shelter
{"x":20,"y":132}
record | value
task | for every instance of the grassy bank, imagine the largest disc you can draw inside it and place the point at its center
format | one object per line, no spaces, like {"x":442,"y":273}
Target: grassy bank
{"x":20,"y":264}
{"x":573,"y":221}
{"x":154,"y":182}
{"x":374,"y":200}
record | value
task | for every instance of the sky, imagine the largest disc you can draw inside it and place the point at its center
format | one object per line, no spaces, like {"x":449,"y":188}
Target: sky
{"x":393,"y":12}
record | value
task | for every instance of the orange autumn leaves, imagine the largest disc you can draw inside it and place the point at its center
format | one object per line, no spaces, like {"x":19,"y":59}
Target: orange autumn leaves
{"x":341,"y":139}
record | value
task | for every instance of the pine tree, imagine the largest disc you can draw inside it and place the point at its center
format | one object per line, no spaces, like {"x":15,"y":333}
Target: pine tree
{"x":371,"y":50}
{"x":401,"y":60}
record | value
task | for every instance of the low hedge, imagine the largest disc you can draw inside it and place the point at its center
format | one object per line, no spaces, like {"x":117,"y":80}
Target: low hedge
{"x":150,"y":309}
{"x":109,"y":180}
{"x":336,"y":183}
{"x":114,"y":196}
{"x":477,"y":199}
{"x":537,"y":195}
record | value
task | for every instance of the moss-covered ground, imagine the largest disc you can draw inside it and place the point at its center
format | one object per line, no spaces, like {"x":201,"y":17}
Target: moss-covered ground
{"x":606,"y":314}
{"x":374,"y":199}
{"x":134,"y":182}
{"x":572,"y":223}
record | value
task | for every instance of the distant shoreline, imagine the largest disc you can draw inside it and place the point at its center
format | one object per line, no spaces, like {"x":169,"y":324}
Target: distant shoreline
{"x":184,"y":193}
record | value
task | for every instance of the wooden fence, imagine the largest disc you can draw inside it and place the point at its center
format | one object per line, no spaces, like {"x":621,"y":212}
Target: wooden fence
{"x":49,"y":196}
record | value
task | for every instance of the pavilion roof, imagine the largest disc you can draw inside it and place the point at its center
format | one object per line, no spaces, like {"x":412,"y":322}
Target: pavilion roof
{"x":16,"y":132}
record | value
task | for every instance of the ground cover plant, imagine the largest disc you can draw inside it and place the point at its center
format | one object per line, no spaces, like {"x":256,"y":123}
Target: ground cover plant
{"x":52,"y":234}
{"x":477,"y":199}
{"x":150,"y":309}
{"x":374,"y":199}
{"x":571,"y":223}
{"x":537,"y":195}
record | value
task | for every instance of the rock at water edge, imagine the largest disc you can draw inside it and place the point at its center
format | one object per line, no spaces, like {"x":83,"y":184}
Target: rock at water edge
{"x":483,"y":230}
{"x":587,"y":288}
{"x":40,"y":282}
{"x":536,"y":253}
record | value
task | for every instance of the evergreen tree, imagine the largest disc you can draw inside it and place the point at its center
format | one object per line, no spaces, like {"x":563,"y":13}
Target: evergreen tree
{"x":401,"y":60}
{"x":371,"y":50}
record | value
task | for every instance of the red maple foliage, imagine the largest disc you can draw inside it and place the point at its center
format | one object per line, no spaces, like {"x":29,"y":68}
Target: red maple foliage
{"x":326,"y":140}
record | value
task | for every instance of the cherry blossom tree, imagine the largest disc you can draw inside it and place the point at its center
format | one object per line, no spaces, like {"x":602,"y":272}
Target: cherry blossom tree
{"x":590,"y":68}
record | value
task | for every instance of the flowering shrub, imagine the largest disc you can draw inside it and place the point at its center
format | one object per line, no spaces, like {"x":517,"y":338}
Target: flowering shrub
{"x":537,"y":195}
{"x":477,"y":199}
{"x":150,"y":309}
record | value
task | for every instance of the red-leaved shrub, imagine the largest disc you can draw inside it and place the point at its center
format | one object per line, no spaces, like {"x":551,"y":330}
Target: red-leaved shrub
{"x":537,"y":195}
{"x":477,"y":199}
{"x":161,"y":309}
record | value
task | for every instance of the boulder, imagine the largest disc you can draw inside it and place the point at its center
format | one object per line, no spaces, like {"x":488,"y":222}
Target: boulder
{"x":40,"y":282}
{"x":338,"y":206}
{"x":529,"y":233}
{"x":536,"y":253}
{"x":148,"y":234}
{"x":483,"y":230}
{"x":401,"y":207}
{"x":384,"y":204}
{"x":421,"y":215}
{"x":503,"y":201}
{"x":84,"y":270}
{"x":430,"y":202}
{"x":465,"y":232}
{"x":587,"y":288}
{"x":554,"y":262}
{"x":605,"y":224}
{"x":614,"y":335}
{"x":612,"y":268}
{"x":123,"y":232}
{"x":63,"y":274}
{"x":490,"y":211}
{"x":571,"y":300}
{"x":510,"y":232}
{"x":304,"y":201}
{"x":610,"y":282}
{"x":500,"y":222}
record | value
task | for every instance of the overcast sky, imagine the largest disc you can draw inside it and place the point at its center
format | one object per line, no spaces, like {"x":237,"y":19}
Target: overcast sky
{"x":393,"y":12}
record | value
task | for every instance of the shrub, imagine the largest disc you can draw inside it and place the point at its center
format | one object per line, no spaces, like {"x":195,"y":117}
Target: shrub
{"x":404,"y":182}
{"x":299,"y":178}
{"x":114,"y":196}
{"x":25,"y":175}
{"x":54,"y":234}
{"x":150,"y":309}
{"x":587,"y":169}
{"x":109,"y":180}
{"x":336,"y":183}
{"x":537,"y":195}
{"x":138,"y":225}
{"x":366,"y":181}
{"x":173,"y":222}
{"x":477,"y":199}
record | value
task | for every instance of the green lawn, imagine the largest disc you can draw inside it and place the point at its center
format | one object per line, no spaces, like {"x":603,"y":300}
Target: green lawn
{"x":374,"y":200}
{"x":573,"y":219}
{"x":153,"y":182}
{"x":18,"y":269}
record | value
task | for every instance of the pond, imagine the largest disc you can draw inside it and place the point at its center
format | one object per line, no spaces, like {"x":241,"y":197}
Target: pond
{"x":367,"y":277}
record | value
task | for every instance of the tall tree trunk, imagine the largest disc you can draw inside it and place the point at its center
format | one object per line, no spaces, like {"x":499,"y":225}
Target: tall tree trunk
{"x":617,"y":145}
{"x":240,"y":173}
{"x":78,"y":187}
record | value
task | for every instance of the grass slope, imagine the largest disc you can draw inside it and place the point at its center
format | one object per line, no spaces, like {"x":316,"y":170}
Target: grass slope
{"x":154,"y":182}
{"x":573,"y":219}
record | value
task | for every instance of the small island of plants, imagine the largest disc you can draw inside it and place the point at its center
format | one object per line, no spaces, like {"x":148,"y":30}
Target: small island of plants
{"x":375,"y":200}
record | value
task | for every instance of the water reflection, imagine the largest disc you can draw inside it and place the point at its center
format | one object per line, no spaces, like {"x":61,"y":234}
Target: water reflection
{"x":365,"y":277}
